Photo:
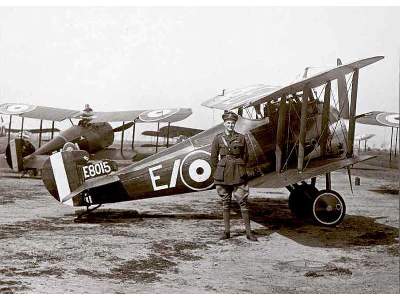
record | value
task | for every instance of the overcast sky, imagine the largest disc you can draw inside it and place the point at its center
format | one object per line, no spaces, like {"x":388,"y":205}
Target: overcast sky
{"x":144,"y":58}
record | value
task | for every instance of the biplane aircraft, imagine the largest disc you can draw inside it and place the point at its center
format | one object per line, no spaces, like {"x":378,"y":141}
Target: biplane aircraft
{"x":293,"y":136}
{"x":363,"y":138}
{"x":93,"y":133}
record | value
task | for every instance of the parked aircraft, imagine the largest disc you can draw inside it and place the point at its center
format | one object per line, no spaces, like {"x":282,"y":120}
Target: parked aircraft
{"x":292,"y":135}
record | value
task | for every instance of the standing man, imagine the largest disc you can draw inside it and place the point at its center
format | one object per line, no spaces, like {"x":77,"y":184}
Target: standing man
{"x":230,"y":175}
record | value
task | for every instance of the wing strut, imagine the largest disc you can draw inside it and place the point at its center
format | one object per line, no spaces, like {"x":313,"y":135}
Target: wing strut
{"x":133,"y":134}
{"x":280,"y":133}
{"x":9,"y":130}
{"x":122,"y":138}
{"x":22,"y":127}
{"x":40,"y":133}
{"x":395,"y":144}
{"x":352,"y":115}
{"x":391,"y":143}
{"x":158,"y":133}
{"x":303,"y":123}
{"x":325,"y":118}
{"x":52,"y":130}
{"x":169,"y":123}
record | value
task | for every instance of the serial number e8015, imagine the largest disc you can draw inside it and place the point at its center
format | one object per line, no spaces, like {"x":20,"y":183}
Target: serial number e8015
{"x":96,"y":169}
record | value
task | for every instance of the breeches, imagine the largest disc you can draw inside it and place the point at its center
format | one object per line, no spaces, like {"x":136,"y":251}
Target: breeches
{"x":239,"y":193}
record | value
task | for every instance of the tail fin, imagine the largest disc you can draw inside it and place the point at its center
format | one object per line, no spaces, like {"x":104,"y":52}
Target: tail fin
{"x":16,"y":151}
{"x":14,"y":154}
{"x":66,"y":171}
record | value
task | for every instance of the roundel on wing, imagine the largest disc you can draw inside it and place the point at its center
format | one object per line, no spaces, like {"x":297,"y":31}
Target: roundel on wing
{"x":388,"y":119}
{"x":196,"y":172}
{"x":157,"y":115}
{"x":15,"y":108}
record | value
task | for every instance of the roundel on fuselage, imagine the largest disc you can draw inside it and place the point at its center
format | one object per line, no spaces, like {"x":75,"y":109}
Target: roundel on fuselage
{"x":15,"y":108}
{"x":70,"y":147}
{"x":195,"y":171}
{"x":157,"y":115}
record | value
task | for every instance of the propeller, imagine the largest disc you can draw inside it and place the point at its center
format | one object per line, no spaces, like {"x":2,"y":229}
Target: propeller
{"x":123,"y":127}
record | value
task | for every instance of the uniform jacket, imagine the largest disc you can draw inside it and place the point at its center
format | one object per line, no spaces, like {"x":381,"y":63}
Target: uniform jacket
{"x":230,"y":169}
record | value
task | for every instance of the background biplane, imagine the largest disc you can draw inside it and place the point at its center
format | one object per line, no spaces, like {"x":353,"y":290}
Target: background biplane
{"x":93,"y":133}
{"x":384,"y":119}
{"x":363,"y":138}
{"x":292,"y":134}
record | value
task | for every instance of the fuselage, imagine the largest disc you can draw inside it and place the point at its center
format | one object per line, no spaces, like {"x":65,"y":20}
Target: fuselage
{"x":186,"y":167}
{"x":91,"y":137}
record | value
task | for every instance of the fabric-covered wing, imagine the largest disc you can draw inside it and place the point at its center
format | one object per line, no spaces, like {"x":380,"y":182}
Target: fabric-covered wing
{"x":37,"y":112}
{"x":236,"y":98}
{"x":60,"y":114}
{"x":259,"y":94}
{"x":380,"y":118}
{"x":314,"y":168}
{"x":116,"y":116}
{"x":144,"y":116}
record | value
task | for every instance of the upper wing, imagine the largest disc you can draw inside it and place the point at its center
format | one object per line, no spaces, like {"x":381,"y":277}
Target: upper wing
{"x":255,"y":95}
{"x":37,"y":112}
{"x":315,"y":167}
{"x":60,"y":114}
{"x":143,"y":116}
{"x":380,"y":118}
{"x":238,"y":97}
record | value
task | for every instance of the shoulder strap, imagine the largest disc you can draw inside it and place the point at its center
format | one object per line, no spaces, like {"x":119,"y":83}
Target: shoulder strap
{"x":225,"y":142}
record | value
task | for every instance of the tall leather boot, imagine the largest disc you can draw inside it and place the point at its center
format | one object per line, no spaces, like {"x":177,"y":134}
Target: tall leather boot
{"x":246,"y":219}
{"x":227,"y":231}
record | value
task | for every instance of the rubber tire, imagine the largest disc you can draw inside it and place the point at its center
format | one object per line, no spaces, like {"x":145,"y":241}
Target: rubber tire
{"x":336,"y":222}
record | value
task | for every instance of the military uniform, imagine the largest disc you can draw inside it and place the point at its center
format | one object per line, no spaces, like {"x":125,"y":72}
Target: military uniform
{"x":230,"y":175}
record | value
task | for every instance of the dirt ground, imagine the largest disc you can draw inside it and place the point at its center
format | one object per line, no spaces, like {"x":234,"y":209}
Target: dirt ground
{"x":171,"y":244}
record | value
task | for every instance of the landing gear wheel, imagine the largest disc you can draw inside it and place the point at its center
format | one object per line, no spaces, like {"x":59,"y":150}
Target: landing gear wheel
{"x":301,"y":198}
{"x":328,"y":208}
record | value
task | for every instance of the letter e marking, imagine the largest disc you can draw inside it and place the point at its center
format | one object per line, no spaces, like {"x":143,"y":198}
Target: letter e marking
{"x":154,"y":178}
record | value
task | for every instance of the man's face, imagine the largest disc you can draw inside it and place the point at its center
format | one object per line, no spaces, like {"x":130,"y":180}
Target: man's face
{"x":229,"y":125}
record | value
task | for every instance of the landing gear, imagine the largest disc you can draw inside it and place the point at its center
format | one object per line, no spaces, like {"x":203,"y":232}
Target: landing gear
{"x":325,"y":207}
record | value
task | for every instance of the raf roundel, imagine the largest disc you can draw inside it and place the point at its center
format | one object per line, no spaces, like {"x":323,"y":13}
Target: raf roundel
{"x":388,"y":119}
{"x":15,"y":108}
{"x":195,"y":171}
{"x":156,"y":115}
